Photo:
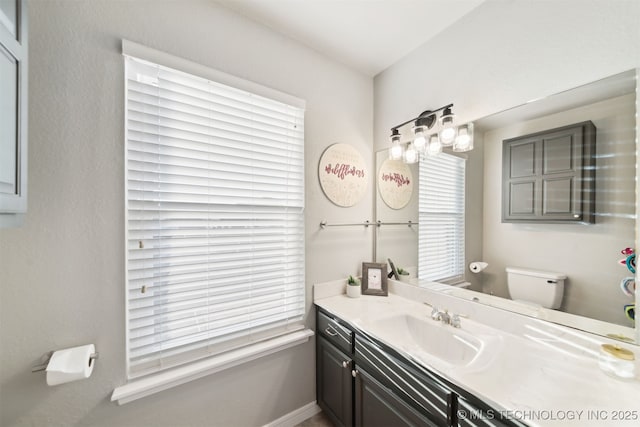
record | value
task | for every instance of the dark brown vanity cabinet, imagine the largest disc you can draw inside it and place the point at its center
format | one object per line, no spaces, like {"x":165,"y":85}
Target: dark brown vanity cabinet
{"x":364,"y":383}
{"x":550,"y":176}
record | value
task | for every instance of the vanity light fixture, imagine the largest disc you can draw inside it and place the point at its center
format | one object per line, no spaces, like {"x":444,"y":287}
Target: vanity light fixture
{"x":423,"y":142}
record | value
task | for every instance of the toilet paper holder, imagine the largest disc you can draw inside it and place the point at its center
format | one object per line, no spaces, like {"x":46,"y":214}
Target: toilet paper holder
{"x":47,"y":357}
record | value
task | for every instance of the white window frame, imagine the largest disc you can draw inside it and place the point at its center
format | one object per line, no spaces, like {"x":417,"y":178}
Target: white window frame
{"x":441,"y":211}
{"x":261,"y":338}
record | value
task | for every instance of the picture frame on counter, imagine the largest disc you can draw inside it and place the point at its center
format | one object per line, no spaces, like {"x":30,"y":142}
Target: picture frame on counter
{"x":374,"y":279}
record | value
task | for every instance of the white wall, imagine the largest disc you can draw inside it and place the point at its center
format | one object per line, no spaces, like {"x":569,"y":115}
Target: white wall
{"x":587,"y":254}
{"x":62,"y":273}
{"x":503,"y":54}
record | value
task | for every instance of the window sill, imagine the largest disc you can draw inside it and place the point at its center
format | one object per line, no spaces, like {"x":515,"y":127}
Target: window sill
{"x":155,"y":383}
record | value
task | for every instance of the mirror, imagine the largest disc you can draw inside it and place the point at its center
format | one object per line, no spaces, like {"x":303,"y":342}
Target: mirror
{"x":588,"y":254}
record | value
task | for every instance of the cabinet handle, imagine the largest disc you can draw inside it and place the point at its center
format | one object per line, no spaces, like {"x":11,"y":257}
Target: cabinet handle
{"x":330,"y":330}
{"x":354,"y":373}
{"x":345,"y":364}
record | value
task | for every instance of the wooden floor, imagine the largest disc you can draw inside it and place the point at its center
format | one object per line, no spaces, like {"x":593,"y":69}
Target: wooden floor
{"x":318,"y":420}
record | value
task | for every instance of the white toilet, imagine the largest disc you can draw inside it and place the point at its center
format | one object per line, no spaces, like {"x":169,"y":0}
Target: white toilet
{"x":536,"y":287}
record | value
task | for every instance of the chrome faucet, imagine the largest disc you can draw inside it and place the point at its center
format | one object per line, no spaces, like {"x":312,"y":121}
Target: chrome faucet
{"x":445,"y":317}
{"x":442,"y":316}
{"x":452,"y":319}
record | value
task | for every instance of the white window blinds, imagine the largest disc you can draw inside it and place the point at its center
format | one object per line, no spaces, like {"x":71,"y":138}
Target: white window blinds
{"x":214,"y":217}
{"x":441,"y":216}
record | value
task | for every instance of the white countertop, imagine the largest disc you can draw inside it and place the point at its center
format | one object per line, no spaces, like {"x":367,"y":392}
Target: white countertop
{"x":537,"y":372}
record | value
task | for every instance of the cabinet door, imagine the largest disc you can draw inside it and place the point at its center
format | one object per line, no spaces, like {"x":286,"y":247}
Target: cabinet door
{"x":334,"y":383}
{"x":377,"y":406}
{"x":13,"y":106}
{"x":521,"y":184}
{"x":549,"y":176}
{"x":417,"y":387}
{"x":561,"y":174}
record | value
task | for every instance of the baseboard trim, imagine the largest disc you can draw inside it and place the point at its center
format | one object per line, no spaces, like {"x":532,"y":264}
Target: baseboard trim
{"x":296,"y":416}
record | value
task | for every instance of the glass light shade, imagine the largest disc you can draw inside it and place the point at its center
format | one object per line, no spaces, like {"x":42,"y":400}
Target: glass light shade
{"x":464,"y":140}
{"x":410,"y":154}
{"x":419,"y":141}
{"x":448,"y":132}
{"x":435,"y":147}
{"x":396,"y":151}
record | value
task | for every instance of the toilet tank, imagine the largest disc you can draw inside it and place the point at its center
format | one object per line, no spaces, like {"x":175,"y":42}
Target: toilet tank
{"x":544,"y":288}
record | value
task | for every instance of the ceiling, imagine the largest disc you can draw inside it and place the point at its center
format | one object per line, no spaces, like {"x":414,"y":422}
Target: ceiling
{"x":367,"y":35}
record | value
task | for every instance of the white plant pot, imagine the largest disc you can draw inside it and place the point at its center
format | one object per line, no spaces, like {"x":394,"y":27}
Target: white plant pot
{"x":404,"y":277}
{"x":353,"y":291}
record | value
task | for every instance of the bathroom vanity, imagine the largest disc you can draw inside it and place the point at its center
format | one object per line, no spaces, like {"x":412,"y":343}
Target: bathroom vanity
{"x":384,"y":361}
{"x":364,"y":382}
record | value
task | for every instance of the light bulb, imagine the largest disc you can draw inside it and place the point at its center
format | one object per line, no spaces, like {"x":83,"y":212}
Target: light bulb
{"x":435,"y":147}
{"x":410,"y":154}
{"x":448,"y":132}
{"x":396,"y":150}
{"x":420,"y":141}
{"x":464,"y":140}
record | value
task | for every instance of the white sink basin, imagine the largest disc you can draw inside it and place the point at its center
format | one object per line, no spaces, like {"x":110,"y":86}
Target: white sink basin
{"x":426,"y":337}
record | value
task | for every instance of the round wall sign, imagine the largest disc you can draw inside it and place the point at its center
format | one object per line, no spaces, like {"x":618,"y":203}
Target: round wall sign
{"x":395,"y":183}
{"x":343,"y":176}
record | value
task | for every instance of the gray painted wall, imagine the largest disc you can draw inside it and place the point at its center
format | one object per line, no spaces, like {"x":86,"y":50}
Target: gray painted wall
{"x":62,"y":273}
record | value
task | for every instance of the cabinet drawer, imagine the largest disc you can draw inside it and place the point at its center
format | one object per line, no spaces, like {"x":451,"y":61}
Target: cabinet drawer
{"x":418,"y":388}
{"x":335,"y":333}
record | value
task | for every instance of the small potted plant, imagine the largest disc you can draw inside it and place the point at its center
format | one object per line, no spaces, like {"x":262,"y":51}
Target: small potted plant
{"x":403,"y":275}
{"x":353,"y":287}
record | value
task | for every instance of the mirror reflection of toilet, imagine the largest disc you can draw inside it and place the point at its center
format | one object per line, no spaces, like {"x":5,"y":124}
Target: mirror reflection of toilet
{"x":535,"y":287}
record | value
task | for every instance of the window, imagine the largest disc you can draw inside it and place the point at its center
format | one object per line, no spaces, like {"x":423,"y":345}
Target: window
{"x":214,"y":217}
{"x":441,"y":216}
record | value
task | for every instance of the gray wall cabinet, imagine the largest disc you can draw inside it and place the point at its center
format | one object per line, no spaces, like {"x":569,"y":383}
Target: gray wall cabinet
{"x":364,"y":383}
{"x":550,"y":176}
{"x":13,"y":108}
